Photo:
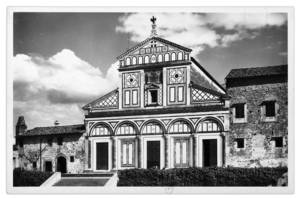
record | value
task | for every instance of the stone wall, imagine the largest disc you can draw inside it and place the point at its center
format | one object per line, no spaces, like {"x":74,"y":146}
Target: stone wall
{"x":259,"y":147}
{"x":73,"y":145}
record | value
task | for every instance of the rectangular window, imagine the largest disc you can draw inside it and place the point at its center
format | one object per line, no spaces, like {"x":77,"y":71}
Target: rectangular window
{"x":59,"y":141}
{"x":134,"y":97}
{"x":177,"y":152}
{"x":153,"y":97}
{"x":270,"y":108}
{"x":49,"y":141}
{"x":127,"y":153}
{"x":34,"y":165}
{"x":72,"y":158}
{"x":21,"y":144}
{"x":240,"y":143}
{"x":278,"y":141}
{"x":172,"y":94}
{"x":127,"y":97}
{"x":239,"y":110}
{"x":180,"y":94}
{"x":181,"y":152}
{"x":48,"y":166}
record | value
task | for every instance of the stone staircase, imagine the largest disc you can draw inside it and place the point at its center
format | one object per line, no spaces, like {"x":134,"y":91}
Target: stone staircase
{"x":84,"y":179}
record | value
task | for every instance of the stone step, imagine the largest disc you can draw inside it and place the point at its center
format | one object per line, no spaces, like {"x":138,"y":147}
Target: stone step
{"x":82,"y":181}
{"x":94,"y":174}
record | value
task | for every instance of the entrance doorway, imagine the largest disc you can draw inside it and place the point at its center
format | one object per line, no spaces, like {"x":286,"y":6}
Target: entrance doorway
{"x":153,"y":154}
{"x":61,"y":164}
{"x":102,"y":156}
{"x":210,"y":156}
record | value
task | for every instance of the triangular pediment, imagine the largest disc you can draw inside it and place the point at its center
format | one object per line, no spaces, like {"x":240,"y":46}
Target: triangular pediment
{"x":153,"y":45}
{"x":108,"y":101}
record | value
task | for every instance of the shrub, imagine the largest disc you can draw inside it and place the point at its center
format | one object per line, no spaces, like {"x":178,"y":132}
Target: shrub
{"x":229,"y":176}
{"x":23,"y":177}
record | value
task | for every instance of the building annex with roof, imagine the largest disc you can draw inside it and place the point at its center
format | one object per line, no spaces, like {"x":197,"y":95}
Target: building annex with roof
{"x":259,"y":117}
{"x":55,"y":148}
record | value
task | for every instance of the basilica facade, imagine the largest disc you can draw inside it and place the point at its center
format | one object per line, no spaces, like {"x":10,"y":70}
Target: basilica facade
{"x":167,"y":112}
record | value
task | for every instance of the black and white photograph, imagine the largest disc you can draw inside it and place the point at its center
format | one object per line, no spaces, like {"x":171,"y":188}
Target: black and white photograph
{"x":182,"y":100}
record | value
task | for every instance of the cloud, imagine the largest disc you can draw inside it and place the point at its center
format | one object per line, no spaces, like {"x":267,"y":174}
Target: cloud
{"x":49,"y":89}
{"x":245,"y":20}
{"x":198,"y":31}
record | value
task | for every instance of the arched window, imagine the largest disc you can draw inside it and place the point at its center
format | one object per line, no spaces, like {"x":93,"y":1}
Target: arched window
{"x":180,"y":56}
{"x":152,"y":128}
{"x":146,"y":59}
{"x":133,"y":60}
{"x":167,"y":57}
{"x":159,"y":58}
{"x":153,"y":59}
{"x":126,"y":129}
{"x":100,"y":130}
{"x":173,"y":56}
{"x":128,"y":61}
{"x":209,"y":125}
{"x":140,"y":60}
{"x":180,"y":127}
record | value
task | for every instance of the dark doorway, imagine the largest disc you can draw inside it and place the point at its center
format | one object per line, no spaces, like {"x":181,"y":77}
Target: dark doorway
{"x":61,"y":164}
{"x":153,"y":154}
{"x":102,"y":156}
{"x":48,"y":166}
{"x":210,"y":153}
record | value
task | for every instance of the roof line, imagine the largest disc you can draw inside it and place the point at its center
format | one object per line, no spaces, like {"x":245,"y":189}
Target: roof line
{"x":208,"y":74}
{"x":197,"y":86}
{"x":252,"y":68}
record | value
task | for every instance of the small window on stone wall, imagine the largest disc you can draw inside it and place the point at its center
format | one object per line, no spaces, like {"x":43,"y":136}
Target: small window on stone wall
{"x":34,"y":165}
{"x":270,"y":108}
{"x":278,"y":141}
{"x":21,"y":143}
{"x":239,"y":110}
{"x":72,"y":158}
{"x":240,"y":143}
{"x":59,"y":140}
{"x":49,"y":141}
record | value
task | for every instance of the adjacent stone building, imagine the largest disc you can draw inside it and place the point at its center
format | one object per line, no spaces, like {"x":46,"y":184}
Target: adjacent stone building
{"x":259,"y":117}
{"x":55,"y":148}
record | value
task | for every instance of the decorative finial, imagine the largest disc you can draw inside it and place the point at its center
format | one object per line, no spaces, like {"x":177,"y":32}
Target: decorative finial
{"x":153,"y":31}
{"x":153,"y":19}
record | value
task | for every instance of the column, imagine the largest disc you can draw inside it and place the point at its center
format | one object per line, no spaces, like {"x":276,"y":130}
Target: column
{"x":139,"y":151}
{"x":166,"y":151}
{"x":113,"y":153}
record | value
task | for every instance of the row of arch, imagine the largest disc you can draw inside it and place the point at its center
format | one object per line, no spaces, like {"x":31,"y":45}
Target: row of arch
{"x":154,"y":58}
{"x":151,"y":127}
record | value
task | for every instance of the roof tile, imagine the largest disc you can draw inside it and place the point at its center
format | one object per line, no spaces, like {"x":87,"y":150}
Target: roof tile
{"x":258,"y":71}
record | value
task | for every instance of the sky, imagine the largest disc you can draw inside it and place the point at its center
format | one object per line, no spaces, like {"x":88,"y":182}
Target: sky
{"x":62,"y":61}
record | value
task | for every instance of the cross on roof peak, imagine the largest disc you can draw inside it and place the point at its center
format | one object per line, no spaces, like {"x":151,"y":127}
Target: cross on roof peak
{"x":153,"y":31}
{"x":153,"y":19}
